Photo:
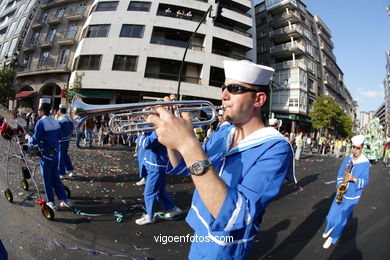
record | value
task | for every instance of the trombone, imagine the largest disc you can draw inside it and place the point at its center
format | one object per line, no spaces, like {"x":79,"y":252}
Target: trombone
{"x":131,"y":117}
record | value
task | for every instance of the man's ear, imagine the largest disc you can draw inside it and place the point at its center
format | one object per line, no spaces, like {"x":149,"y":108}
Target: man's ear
{"x":260,"y":99}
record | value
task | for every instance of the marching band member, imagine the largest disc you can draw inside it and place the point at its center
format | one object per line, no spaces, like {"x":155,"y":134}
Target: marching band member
{"x":47,"y":135}
{"x":66,"y":125}
{"x":356,"y":179}
{"x":155,"y":163}
{"x":237,"y":172}
{"x":139,"y":153}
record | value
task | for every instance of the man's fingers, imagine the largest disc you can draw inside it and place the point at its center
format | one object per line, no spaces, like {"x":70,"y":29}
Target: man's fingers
{"x":163,"y":112}
{"x":155,"y":119}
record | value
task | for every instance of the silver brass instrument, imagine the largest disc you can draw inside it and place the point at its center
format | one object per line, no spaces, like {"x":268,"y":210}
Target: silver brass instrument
{"x":342,"y":189}
{"x":131,"y":117}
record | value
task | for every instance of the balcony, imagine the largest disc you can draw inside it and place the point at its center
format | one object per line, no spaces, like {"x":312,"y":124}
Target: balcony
{"x":53,"y":20}
{"x":194,"y":17}
{"x":66,"y":42}
{"x":46,"y":45}
{"x":72,"y":16}
{"x":290,"y":64}
{"x":275,"y":6}
{"x":328,"y":51}
{"x":176,"y":43}
{"x":233,"y":29}
{"x":284,"y":50}
{"x":30,"y":48}
{"x":36,"y":26}
{"x":282,"y":19}
{"x":285,"y":33}
{"x":229,"y":54}
{"x":170,"y":76}
{"x":46,"y":4}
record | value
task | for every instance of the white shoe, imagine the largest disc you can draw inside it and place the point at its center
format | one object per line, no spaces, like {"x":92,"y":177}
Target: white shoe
{"x":146,"y":219}
{"x":62,"y":177}
{"x":173,"y":213}
{"x":141,"y":182}
{"x":327,"y":243}
{"x":73,"y":174}
{"x":53,"y":206}
{"x":66,"y":204}
{"x":325,"y":235}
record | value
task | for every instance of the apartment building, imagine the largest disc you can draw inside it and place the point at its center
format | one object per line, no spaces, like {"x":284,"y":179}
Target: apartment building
{"x":15,"y":18}
{"x":297,"y":44}
{"x":46,"y":55}
{"x":130,"y":50}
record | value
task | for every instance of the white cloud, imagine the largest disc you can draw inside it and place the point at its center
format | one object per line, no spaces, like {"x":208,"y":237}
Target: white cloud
{"x":370,"y":93}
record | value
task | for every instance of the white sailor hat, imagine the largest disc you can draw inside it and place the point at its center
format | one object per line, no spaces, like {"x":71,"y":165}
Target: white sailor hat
{"x":44,"y":100}
{"x":357,"y":140}
{"x":273,"y":121}
{"x":63,"y":106}
{"x":248,"y":72}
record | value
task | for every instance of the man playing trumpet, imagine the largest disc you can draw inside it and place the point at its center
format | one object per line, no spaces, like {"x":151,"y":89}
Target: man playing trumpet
{"x":355,"y":178}
{"x":237,"y":172}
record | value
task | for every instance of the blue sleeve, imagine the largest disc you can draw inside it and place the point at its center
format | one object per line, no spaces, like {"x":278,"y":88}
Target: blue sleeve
{"x":363,"y":171}
{"x":38,"y":135}
{"x":245,"y":203}
{"x":151,"y":141}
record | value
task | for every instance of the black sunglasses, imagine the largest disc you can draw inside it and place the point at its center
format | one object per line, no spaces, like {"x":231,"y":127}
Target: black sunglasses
{"x":237,"y":89}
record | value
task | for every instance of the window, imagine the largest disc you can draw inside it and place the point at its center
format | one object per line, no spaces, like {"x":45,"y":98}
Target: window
{"x":264,"y":48}
{"x":60,"y":12}
{"x":43,"y":17}
{"x":11,"y":29}
{"x":264,"y":34}
{"x":20,"y":10}
{"x":27,"y":62}
{"x":88,"y":62}
{"x":80,"y":9}
{"x":139,"y":6}
{"x":293,"y":102}
{"x":4,"y":49}
{"x":71,"y":31}
{"x":51,"y":34}
{"x":132,"y":31}
{"x":43,"y":59}
{"x":29,"y":6}
{"x":63,"y":58}
{"x":106,"y":6}
{"x":20,"y":25}
{"x":125,"y":63}
{"x":98,"y":30}
{"x":35,"y":38}
{"x":12,"y":47}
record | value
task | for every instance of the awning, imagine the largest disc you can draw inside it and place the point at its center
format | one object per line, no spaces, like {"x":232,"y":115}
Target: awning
{"x":24,"y":94}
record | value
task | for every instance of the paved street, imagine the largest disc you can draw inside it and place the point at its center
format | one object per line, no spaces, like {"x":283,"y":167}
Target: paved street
{"x":291,"y":228}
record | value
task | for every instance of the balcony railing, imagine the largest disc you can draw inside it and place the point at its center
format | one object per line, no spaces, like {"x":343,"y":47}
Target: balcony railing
{"x":170,"y":76}
{"x":291,"y":46}
{"x":285,"y":16}
{"x":184,"y":17}
{"x":233,"y":29}
{"x":175,"y":43}
{"x":290,"y":64}
{"x":229,"y":54}
{"x":287,"y":29}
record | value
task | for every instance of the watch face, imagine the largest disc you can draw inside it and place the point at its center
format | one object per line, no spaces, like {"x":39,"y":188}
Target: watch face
{"x":197,"y":168}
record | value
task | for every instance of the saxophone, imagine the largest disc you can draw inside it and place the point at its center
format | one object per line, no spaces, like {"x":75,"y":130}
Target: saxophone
{"x":344,"y":186}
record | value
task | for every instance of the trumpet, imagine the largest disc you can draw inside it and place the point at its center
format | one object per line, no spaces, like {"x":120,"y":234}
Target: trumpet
{"x":131,"y":117}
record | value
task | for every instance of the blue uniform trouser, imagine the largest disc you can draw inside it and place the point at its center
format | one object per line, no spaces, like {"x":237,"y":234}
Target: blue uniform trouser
{"x":155,"y":190}
{"x":338,"y":217}
{"x":51,"y":179}
{"x":65,"y":164}
{"x":89,"y":134}
{"x":78,"y":139}
{"x":3,"y":252}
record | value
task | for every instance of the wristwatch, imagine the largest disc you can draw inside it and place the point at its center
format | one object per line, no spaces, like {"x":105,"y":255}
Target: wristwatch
{"x":199,"y":167}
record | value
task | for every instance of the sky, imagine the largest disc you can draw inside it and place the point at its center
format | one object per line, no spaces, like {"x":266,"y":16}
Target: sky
{"x":361,"y":35}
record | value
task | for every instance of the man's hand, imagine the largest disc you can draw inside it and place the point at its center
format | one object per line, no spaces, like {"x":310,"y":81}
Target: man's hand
{"x":173,"y":132}
{"x":349,"y":177}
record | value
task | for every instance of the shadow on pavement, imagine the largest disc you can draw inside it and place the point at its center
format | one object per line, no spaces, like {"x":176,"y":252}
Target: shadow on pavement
{"x":301,"y":236}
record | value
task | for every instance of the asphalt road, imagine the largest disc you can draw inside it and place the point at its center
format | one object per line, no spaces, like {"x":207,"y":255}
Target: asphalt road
{"x":291,"y":228}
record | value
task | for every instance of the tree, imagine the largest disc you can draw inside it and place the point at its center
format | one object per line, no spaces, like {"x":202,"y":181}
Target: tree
{"x":76,"y":88}
{"x":7,"y":78}
{"x":327,"y":114}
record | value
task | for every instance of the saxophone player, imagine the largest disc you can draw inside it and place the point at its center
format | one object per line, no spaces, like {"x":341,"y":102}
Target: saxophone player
{"x":356,"y":178}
